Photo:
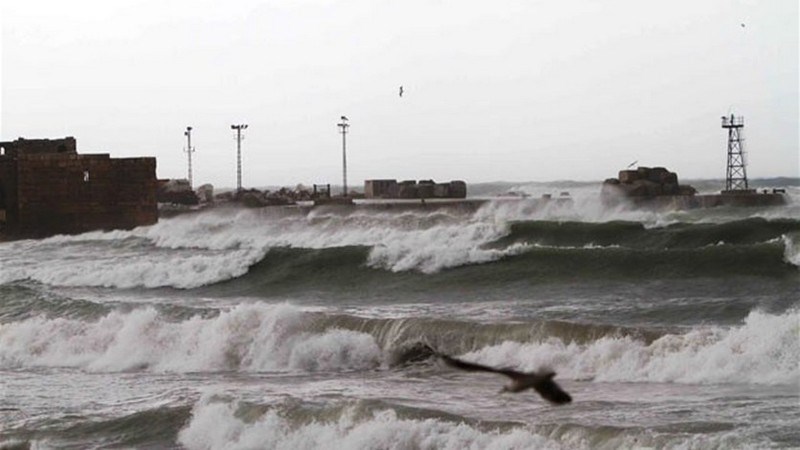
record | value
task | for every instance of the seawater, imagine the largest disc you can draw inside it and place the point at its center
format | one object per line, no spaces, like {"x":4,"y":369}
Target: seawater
{"x":283,"y":328}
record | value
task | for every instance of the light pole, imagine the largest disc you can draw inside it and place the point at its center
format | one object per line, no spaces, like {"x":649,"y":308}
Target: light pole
{"x":239,"y":138}
{"x":189,"y":150}
{"x":344,"y":126}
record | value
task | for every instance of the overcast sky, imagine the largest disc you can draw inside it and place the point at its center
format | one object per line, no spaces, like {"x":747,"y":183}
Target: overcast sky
{"x":504,"y":90}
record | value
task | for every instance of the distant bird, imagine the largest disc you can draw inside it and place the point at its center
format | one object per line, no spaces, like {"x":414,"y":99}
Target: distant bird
{"x":344,"y":118}
{"x":401,"y":91}
{"x":742,"y":25}
{"x":541,"y":382}
{"x":632,"y":164}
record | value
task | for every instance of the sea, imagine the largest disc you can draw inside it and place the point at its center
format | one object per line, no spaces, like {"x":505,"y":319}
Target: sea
{"x":319,"y":328}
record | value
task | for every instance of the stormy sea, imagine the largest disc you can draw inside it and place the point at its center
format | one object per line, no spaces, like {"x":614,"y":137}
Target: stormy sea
{"x":315,"y":328}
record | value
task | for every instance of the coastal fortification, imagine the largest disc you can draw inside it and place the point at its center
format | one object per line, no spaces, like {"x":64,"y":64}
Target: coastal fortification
{"x":659,"y":188}
{"x":411,"y":189}
{"x":47,"y":188}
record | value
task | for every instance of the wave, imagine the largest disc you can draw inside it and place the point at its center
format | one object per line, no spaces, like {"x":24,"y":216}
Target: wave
{"x":287,"y":269}
{"x":254,"y":338}
{"x":216,"y":425}
{"x":353,"y":271}
{"x":247,"y":338}
{"x":637,"y":235}
{"x":764,"y":350}
{"x":215,"y":247}
{"x":222,"y":423}
{"x":154,"y":427}
{"x":24,"y":301}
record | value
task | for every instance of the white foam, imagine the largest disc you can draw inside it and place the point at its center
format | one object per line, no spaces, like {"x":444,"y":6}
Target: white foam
{"x":215,"y":425}
{"x":791,"y":251}
{"x":764,"y":350}
{"x":585,"y":205}
{"x":246,"y":338}
{"x":216,"y":245}
{"x":202,"y":249}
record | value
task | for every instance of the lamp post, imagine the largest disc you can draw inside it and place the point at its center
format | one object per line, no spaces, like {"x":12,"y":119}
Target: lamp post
{"x":189,"y":150}
{"x":343,"y":125}
{"x":239,"y":138}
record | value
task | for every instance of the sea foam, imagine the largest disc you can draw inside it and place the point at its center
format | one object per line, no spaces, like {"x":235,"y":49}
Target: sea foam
{"x":215,"y":425}
{"x":220,"y":424}
{"x":764,"y":350}
{"x":246,"y":338}
{"x":217,"y":245}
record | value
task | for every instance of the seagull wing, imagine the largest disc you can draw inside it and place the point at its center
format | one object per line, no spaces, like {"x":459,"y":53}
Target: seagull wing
{"x":473,"y":367}
{"x":550,"y":390}
{"x":541,"y":383}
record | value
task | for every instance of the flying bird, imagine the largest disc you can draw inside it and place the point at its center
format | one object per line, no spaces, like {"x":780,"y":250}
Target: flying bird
{"x":742,"y":25}
{"x":344,"y":118}
{"x":632,"y":164}
{"x":401,"y":91}
{"x":541,"y":382}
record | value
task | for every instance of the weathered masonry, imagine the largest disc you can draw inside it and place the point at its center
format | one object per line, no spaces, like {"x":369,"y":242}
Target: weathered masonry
{"x":47,"y":188}
{"x":411,"y":189}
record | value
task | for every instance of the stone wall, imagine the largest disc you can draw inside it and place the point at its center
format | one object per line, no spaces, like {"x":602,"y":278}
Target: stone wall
{"x":71,"y":193}
{"x":38,"y":146}
{"x":410,"y":189}
{"x":644,"y":182}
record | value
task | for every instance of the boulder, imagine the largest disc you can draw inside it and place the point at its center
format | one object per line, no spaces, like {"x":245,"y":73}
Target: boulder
{"x":205,"y":193}
{"x":177,"y":192}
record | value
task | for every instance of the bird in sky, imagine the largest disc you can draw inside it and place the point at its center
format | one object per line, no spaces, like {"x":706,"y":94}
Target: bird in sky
{"x":540,"y":382}
{"x":344,"y":118}
{"x":742,"y":25}
{"x":632,"y":164}
{"x":401,"y":91}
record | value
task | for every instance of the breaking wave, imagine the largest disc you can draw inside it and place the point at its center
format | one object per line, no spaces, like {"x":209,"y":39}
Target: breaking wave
{"x":764,"y":350}
{"x":216,"y":425}
{"x":252,"y":338}
{"x":247,"y":338}
{"x":265,"y":247}
{"x":221,"y":423}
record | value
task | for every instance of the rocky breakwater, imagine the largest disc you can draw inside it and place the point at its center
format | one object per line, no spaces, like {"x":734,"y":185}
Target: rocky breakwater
{"x":254,"y":198}
{"x":176,"y":192}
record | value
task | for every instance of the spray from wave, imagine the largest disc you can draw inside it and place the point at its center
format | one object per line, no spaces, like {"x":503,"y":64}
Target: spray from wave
{"x":219,"y":423}
{"x":247,"y":338}
{"x":212,"y":247}
{"x":216,"y":425}
{"x":763,"y":350}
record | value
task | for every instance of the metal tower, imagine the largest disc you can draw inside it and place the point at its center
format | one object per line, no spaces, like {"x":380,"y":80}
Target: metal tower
{"x":189,"y":150}
{"x":736,"y":176}
{"x":344,"y":126}
{"x":239,"y":138}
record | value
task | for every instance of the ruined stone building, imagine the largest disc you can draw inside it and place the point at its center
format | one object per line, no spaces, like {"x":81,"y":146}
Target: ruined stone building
{"x":47,"y":188}
{"x":410,"y":189}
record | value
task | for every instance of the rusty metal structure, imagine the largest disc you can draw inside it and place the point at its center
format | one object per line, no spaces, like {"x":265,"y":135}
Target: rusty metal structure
{"x":736,"y":174}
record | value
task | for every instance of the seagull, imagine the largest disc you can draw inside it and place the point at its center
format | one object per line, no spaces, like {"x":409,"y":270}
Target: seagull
{"x":632,"y":164}
{"x":401,"y":91}
{"x":541,"y":382}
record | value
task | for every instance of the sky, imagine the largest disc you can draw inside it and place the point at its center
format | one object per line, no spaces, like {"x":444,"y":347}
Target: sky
{"x":512,"y":90}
